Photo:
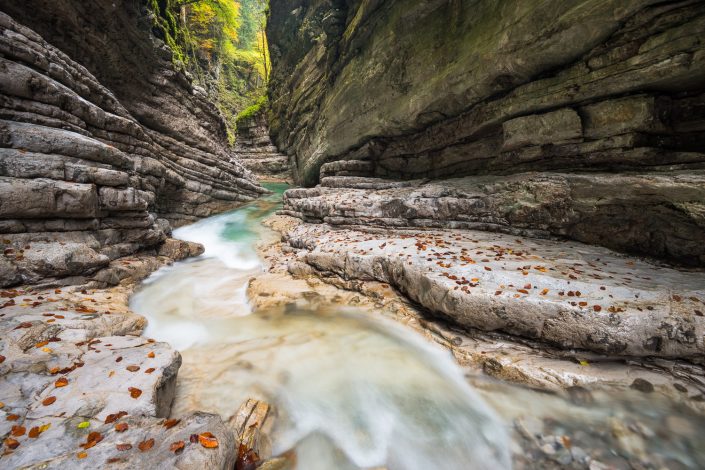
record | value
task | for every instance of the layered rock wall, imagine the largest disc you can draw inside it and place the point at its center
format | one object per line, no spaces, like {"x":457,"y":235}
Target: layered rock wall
{"x":99,"y":157}
{"x":256,"y":151}
{"x":610,"y":91}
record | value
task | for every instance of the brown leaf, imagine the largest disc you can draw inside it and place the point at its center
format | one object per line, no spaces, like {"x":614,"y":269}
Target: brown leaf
{"x":111,"y":418}
{"x":34,"y":432}
{"x":150,"y":355}
{"x":177,"y":447}
{"x":2,"y":358}
{"x":150,"y":370}
{"x":18,"y":431}
{"x":208,"y":440}
{"x":12,"y":417}
{"x":144,"y":446}
{"x":11,"y":443}
{"x":134,"y":392}
{"x":121,"y":427}
{"x":48,"y":401}
{"x":193,"y":438}
{"x":133,"y":368}
{"x":170,"y":423}
{"x":93,"y":438}
{"x":123,"y":447}
{"x":61,"y":382}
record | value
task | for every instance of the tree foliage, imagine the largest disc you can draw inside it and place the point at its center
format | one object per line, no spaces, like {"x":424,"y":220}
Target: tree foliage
{"x":222,"y":43}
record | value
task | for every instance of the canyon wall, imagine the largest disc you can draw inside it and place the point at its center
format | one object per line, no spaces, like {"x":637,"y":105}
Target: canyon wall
{"x":580,"y":119}
{"x":104,"y":145}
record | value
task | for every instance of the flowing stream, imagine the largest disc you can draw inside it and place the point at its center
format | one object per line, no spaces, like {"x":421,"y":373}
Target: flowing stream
{"x":354,"y":391}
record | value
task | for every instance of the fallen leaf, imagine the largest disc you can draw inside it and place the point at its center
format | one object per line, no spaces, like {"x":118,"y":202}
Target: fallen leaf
{"x":584,"y":363}
{"x":121,"y":427}
{"x":11,"y":443}
{"x":208,"y":440}
{"x":123,"y":447}
{"x":150,"y":370}
{"x":18,"y":431}
{"x":170,"y":423}
{"x":111,"y":418}
{"x":83,"y":425}
{"x":12,"y":417}
{"x":48,"y":401}
{"x":177,"y":447}
{"x":146,"y":445}
{"x":82,"y":455}
{"x":34,"y":432}
{"x":134,"y":392}
{"x":133,"y":368}
{"x":61,"y":382}
{"x":150,"y":355}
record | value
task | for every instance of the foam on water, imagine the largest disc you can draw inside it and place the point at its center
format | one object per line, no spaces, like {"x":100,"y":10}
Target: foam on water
{"x":351,"y":391}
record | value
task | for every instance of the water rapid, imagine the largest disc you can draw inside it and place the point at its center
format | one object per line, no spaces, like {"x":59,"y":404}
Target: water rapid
{"x":351,"y":391}
{"x":355,"y":391}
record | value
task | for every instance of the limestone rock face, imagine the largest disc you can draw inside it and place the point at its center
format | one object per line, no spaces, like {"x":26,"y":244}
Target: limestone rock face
{"x":662,"y":214}
{"x":570,"y":295}
{"x":405,"y":90}
{"x":256,"y":151}
{"x":103,"y":144}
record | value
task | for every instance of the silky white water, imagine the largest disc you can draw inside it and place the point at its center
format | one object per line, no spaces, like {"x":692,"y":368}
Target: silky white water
{"x":351,"y":391}
{"x":355,"y":391}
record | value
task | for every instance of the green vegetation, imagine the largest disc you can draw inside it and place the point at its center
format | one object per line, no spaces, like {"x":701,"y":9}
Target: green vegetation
{"x":222,"y":43}
{"x":252,"y":109}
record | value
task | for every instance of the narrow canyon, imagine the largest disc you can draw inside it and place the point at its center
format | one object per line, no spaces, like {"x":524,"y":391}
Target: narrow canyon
{"x":360,"y":234}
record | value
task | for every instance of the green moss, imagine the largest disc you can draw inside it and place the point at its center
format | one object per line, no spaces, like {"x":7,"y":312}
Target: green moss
{"x":253,"y":109}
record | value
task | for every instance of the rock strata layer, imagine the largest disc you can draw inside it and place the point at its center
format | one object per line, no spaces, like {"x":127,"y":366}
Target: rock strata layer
{"x":256,"y":151}
{"x":94,"y":167}
{"x":570,"y":295}
{"x":660,"y":214}
{"x":598,"y":104}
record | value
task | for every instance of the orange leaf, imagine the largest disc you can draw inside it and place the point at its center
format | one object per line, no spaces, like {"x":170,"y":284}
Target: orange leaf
{"x":170,"y":423}
{"x":208,"y":440}
{"x":34,"y":432}
{"x":121,"y":427}
{"x":134,"y":392}
{"x":177,"y":447}
{"x":150,"y":370}
{"x":150,"y":355}
{"x":82,"y":455}
{"x":18,"y":431}
{"x":11,"y":443}
{"x":111,"y":418}
{"x":48,"y":401}
{"x":61,"y":382}
{"x":146,"y":445}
